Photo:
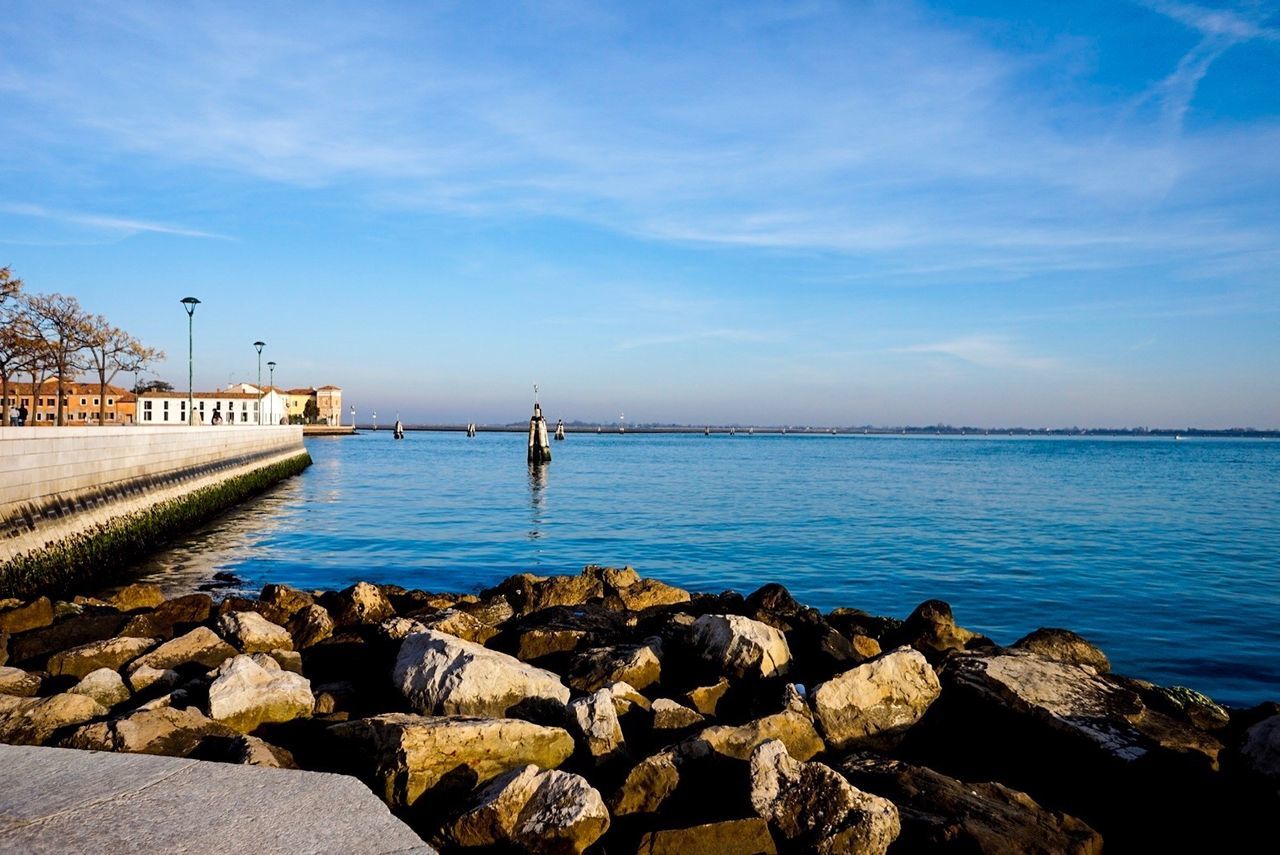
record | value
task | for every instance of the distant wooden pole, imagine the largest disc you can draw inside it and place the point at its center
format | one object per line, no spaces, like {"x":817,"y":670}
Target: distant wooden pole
{"x":559,"y":429}
{"x":539,"y":447}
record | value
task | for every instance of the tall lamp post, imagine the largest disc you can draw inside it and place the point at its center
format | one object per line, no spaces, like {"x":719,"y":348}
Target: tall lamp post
{"x":258,"y":345}
{"x":190,"y":303}
{"x":271,"y":366}
{"x":353,"y":417}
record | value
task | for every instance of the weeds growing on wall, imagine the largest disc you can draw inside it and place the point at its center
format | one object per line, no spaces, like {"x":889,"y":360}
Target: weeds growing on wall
{"x":103,"y":552}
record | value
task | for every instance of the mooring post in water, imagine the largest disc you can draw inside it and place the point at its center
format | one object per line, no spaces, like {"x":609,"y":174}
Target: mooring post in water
{"x":539,"y":447}
{"x":559,"y":429}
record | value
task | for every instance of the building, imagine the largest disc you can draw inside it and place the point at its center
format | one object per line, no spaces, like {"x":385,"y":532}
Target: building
{"x":328,"y":400}
{"x":81,"y":403}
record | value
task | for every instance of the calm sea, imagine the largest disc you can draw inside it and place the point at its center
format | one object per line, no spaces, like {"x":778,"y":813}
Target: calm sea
{"x":1166,"y":554}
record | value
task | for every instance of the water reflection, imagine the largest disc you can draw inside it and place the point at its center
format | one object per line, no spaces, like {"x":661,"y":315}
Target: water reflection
{"x":537,"y":499}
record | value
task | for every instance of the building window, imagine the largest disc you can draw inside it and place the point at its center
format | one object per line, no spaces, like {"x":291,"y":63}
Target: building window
{"x":166,"y":405}
{"x":146,"y":414}
{"x":83,"y":402}
{"x":111,"y":417}
{"x":146,"y":405}
{"x":95,"y":402}
{"x":110,"y":402}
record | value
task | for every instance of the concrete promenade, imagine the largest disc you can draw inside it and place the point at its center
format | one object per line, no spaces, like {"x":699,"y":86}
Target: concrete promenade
{"x":62,"y":800}
{"x":57,"y":482}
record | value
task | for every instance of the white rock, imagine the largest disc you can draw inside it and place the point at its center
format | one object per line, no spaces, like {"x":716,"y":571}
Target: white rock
{"x":814,"y":807}
{"x":253,"y":633}
{"x":740,"y":646}
{"x":877,"y":700}
{"x":539,"y":811}
{"x":443,"y":675}
{"x":597,"y":720}
{"x":104,"y":685}
{"x":245,"y":694}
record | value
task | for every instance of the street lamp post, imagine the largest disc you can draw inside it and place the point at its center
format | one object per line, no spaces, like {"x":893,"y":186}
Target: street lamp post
{"x":258,"y":345}
{"x":190,"y":303}
{"x":272,"y":383}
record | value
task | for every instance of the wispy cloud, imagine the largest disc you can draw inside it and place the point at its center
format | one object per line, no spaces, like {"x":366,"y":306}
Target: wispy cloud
{"x":120,"y":226}
{"x":987,"y":351}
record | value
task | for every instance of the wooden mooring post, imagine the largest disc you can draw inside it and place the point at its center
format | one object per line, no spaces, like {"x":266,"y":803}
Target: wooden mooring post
{"x":539,"y":447}
{"x":559,"y":429}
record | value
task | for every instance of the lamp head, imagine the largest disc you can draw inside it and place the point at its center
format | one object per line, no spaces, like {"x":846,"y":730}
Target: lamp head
{"x":259,"y":345}
{"x":190,"y":303}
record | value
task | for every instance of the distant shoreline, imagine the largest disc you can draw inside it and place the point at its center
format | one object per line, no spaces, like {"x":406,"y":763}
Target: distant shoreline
{"x":748,"y":430}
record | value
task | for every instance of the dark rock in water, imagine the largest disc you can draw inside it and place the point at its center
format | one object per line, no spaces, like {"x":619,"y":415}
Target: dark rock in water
{"x":932,"y":630}
{"x":850,"y":622}
{"x":221,"y":581}
{"x":1063,"y":645}
{"x":33,"y":647}
{"x":278,"y":603}
{"x":730,"y":837}
{"x":773,"y":601}
{"x":942,"y":814}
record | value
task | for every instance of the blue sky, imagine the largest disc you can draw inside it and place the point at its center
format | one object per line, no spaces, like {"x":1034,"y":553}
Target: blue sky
{"x":843,"y":213}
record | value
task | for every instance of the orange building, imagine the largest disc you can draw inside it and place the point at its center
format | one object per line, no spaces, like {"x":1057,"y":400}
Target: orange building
{"x":80,"y":405}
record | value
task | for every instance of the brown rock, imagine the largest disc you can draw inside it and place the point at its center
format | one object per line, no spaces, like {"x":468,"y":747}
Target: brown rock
{"x":942,"y":814}
{"x":1063,"y":645}
{"x":535,"y":810}
{"x":459,"y":624}
{"x":131,"y":598}
{"x":414,"y":754}
{"x":310,"y":626}
{"x":636,"y":665}
{"x":732,"y":837}
{"x":794,"y":729}
{"x":539,"y":642}
{"x":648,"y":785}
{"x":645,"y":594}
{"x":166,"y":731}
{"x":23,"y":618}
{"x":252,"y":633}
{"x":278,"y":603}
{"x":18,"y":683}
{"x":865,"y":646}
{"x":33,"y":721}
{"x":180,"y":612}
{"x":706,"y":699}
{"x":359,"y":604}
{"x":669,"y":715}
{"x":113,"y":653}
{"x":493,"y":611}
{"x":36,"y":644}
{"x":597,"y":721}
{"x":528,"y":593}
{"x":201,"y":645}
{"x":932,"y":630}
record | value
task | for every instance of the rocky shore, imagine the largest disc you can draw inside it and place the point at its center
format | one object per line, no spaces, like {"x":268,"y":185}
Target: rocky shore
{"x":606,"y":712}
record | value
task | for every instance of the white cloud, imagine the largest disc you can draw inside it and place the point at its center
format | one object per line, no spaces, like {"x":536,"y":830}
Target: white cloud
{"x":120,"y":226}
{"x":987,"y":351}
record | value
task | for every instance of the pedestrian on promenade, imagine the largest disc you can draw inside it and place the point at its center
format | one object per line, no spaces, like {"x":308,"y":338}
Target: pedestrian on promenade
{"x":22,"y":415}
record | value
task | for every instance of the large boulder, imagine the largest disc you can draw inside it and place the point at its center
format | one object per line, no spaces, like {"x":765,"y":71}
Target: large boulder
{"x":443,"y":675}
{"x":793,"y":728}
{"x":200,"y":646}
{"x":649,"y":784}
{"x":24,"y":617}
{"x":309,"y":626}
{"x":18,"y":683}
{"x":731,"y":837}
{"x":253,"y":633}
{"x":113,"y":653}
{"x":932,"y":630}
{"x":458,"y":624}
{"x":642,"y":594}
{"x":103,"y":685}
{"x":33,"y":721}
{"x":167,"y":730}
{"x":248,"y":693}
{"x":1261,"y":749}
{"x":361,"y":603}
{"x":35,"y":645}
{"x":132,"y":598}
{"x":877,"y":701}
{"x":179,"y":613}
{"x":741,"y":647}
{"x":412,"y":755}
{"x":528,"y":593}
{"x":1063,"y":645}
{"x":536,"y":810}
{"x":278,"y":603}
{"x":942,"y":814}
{"x":813,"y":806}
{"x":639,"y":666}
{"x":596,"y":718}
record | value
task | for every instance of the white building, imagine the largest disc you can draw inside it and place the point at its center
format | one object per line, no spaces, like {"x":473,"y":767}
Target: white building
{"x":238,"y":405}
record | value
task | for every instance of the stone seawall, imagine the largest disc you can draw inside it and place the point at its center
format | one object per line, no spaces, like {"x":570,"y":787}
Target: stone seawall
{"x":76,"y":500}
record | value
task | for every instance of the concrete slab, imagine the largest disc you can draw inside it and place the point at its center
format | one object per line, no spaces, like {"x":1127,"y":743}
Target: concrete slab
{"x":63,"y":800}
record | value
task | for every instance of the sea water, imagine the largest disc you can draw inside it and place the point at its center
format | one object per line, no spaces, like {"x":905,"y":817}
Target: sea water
{"x":1164,"y":553}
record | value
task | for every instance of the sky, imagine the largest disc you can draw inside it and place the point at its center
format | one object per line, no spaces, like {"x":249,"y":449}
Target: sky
{"x":978,"y":213}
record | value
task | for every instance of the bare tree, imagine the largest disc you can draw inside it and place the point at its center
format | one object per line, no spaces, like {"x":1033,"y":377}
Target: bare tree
{"x":111,"y":350}
{"x":64,"y":328}
{"x":9,"y":285}
{"x":19,"y":343}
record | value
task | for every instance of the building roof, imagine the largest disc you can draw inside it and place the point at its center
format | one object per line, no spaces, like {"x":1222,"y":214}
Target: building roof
{"x":331,"y":388}
{"x":50,"y":387}
{"x":231,"y":396}
{"x":301,"y":391}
